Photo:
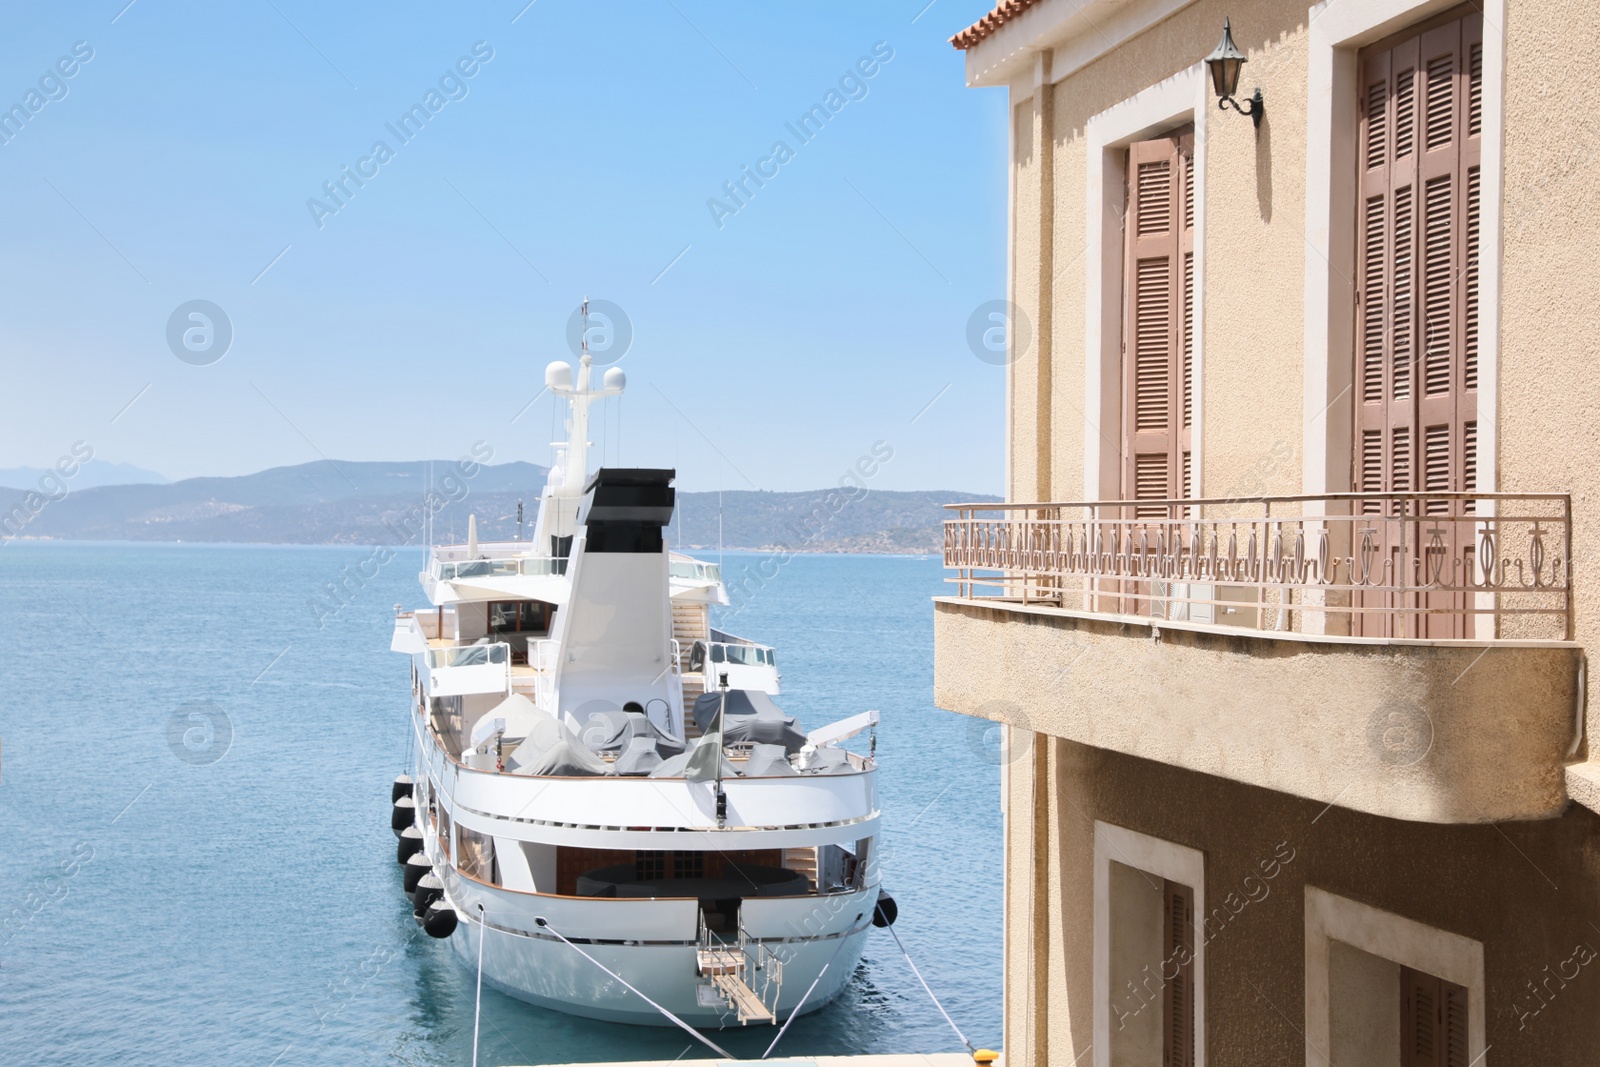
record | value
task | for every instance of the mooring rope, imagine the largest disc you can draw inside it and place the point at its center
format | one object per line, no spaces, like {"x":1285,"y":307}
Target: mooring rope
{"x":477,"y":1007}
{"x":848,"y":934}
{"x":931,"y":997}
{"x":691,"y":1031}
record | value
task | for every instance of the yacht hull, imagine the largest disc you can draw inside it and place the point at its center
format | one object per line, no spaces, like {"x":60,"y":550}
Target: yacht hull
{"x":549,"y":973}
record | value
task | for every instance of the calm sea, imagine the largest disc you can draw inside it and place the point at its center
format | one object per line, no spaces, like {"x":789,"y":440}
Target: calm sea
{"x":177,"y":894}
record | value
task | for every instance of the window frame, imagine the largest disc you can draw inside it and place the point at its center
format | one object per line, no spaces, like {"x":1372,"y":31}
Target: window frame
{"x":1162,"y":859}
{"x":1338,"y":30}
{"x":1182,"y":99}
{"x":1446,"y":955}
{"x":1173,"y":147}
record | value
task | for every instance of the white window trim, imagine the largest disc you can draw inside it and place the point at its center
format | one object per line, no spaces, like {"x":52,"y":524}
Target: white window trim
{"x":1182,"y":98}
{"x":1164,"y":859}
{"x":1338,"y":29}
{"x":1397,"y":939}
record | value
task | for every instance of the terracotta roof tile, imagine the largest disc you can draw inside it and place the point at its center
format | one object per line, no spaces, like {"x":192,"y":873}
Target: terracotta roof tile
{"x":1004,"y":11}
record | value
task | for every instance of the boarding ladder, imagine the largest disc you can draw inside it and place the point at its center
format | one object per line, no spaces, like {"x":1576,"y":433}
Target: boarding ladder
{"x":745,"y":974}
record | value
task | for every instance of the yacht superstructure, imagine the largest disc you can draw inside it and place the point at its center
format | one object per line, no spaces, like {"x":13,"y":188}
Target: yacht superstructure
{"x":605,"y":804}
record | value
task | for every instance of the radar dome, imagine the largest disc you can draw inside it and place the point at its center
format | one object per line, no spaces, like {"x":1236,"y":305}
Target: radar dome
{"x":615,"y":380}
{"x":558,"y":375}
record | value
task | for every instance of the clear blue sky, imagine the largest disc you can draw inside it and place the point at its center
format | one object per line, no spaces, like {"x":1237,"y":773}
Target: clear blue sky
{"x":177,"y":162}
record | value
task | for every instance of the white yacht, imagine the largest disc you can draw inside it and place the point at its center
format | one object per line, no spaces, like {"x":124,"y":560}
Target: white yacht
{"x":605,"y":805}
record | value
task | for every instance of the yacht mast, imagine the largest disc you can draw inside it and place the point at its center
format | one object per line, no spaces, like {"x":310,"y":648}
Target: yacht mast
{"x":570,"y":474}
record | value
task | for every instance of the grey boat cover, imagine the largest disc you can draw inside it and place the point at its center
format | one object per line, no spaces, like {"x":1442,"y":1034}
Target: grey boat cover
{"x":553,"y":750}
{"x":640,"y":757}
{"x":828,"y":760}
{"x":613,"y":731}
{"x":768,"y":761}
{"x":752,"y":718}
{"x":522,"y":717}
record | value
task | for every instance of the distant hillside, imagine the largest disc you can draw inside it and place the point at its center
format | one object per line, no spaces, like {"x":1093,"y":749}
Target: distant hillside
{"x":313,"y":503}
{"x":376,"y":503}
{"x":96,"y":472}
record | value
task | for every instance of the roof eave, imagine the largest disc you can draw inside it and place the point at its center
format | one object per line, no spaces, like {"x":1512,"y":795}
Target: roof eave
{"x":1008,"y":54}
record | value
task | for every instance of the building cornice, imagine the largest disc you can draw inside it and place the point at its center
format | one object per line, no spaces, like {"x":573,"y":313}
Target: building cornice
{"x":1002,"y":47}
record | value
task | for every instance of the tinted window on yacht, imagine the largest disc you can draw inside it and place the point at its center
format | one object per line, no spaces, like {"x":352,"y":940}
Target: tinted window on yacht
{"x":517,"y":616}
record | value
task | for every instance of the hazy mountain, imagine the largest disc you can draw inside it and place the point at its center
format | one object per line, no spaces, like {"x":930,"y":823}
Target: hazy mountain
{"x":95,"y":473}
{"x":343,"y":502}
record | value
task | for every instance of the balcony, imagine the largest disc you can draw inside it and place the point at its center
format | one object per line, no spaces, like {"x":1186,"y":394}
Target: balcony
{"x":1408,"y":655}
{"x":460,"y":670}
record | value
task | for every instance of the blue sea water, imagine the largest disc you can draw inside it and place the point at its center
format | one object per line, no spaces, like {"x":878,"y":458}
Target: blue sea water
{"x":178,"y":893}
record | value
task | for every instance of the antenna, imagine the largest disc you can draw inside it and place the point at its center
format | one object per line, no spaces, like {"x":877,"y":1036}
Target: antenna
{"x":577,"y":387}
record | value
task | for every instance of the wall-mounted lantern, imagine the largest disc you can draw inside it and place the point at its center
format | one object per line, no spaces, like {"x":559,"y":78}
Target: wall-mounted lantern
{"x":1225,"y":64}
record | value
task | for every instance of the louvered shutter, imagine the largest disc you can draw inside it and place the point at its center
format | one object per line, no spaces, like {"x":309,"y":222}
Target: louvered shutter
{"x":1186,"y":323}
{"x":1158,"y":342}
{"x":1451,"y":66}
{"x":1453,"y":1024}
{"x":1433,"y":1021}
{"x":1177,"y":992}
{"x":1419,"y":1019}
{"x":1416,"y":372}
{"x":1386,"y":274}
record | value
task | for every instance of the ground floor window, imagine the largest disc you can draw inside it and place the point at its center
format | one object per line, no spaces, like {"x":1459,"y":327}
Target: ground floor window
{"x":1149,"y":972}
{"x":1385,"y":991}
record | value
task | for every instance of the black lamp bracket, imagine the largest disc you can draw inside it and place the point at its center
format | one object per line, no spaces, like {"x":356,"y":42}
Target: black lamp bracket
{"x":1254,"y":110}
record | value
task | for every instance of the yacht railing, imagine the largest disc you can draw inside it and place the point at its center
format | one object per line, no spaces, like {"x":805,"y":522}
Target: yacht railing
{"x":747,"y":664}
{"x":695,"y":570}
{"x":489,"y":565}
{"x":741,"y":653}
{"x":457,"y":670}
{"x":483,"y":550}
{"x":524,"y":566}
{"x":470,"y":655}
{"x":763,"y":970}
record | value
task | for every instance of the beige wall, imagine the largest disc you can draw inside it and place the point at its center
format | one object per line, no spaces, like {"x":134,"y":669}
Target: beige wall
{"x":1526,"y":890}
{"x":1029,"y":454}
{"x":1253,"y":244}
{"x":1425,"y":731}
{"x":1549,"y":377}
{"x":1251,"y":390}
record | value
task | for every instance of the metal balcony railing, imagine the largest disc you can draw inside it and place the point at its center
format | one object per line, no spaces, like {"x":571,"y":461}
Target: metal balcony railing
{"x":1478,"y":566}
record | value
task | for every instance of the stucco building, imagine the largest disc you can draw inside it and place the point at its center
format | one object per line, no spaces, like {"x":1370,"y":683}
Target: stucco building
{"x":1286,"y":620}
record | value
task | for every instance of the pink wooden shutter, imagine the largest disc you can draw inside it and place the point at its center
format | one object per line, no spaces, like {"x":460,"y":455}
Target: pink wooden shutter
{"x":1158,"y":344}
{"x":1416,"y":360}
{"x":1177,"y":993}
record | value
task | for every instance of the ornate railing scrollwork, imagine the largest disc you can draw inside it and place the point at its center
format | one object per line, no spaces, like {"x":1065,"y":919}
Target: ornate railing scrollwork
{"x":1437,"y":565}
